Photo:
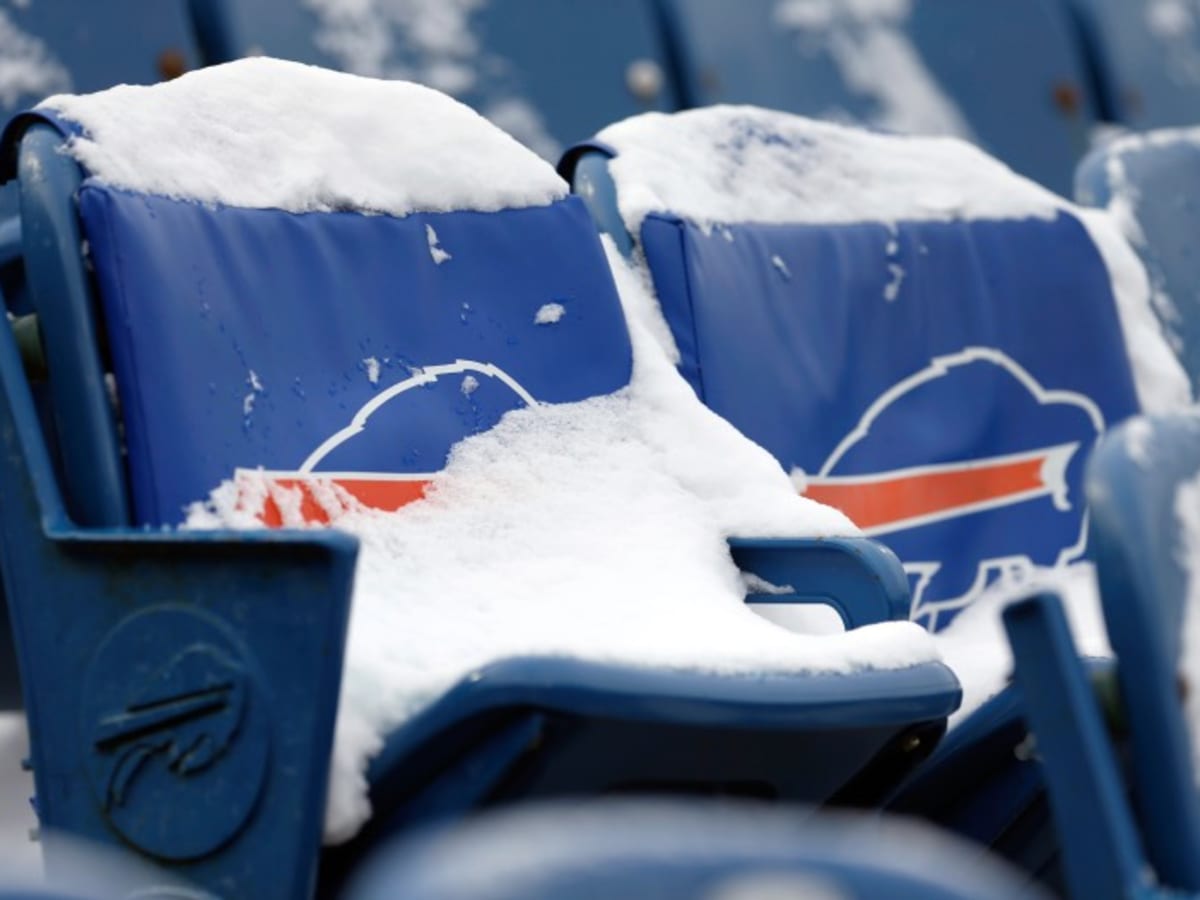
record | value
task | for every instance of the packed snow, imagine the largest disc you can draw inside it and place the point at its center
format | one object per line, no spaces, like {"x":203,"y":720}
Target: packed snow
{"x":549,"y":313}
{"x":436,"y":250}
{"x":214,"y":135}
{"x":725,"y":164}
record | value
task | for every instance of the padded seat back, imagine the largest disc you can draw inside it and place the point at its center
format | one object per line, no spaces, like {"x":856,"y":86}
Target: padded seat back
{"x":550,"y":73}
{"x":356,"y":352}
{"x":1154,"y":186}
{"x":919,"y":377}
{"x":360,"y":354}
{"x":1007,"y":75}
{"x":941,"y":380}
{"x":1146,"y":56}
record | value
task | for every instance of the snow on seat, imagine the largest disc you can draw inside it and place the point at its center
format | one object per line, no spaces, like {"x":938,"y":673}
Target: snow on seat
{"x":1150,"y":183}
{"x":315,"y":286}
{"x":922,"y":338}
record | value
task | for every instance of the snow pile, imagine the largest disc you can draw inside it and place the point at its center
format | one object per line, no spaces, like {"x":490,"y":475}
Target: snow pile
{"x":264,"y":133}
{"x":745,"y":164}
{"x":593,"y":530}
{"x":868,"y":43}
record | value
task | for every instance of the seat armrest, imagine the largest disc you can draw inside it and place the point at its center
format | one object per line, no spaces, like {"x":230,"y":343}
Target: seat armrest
{"x":859,"y":578}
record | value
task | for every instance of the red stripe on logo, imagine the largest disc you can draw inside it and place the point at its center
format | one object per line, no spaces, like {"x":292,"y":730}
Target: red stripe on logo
{"x":382,"y":494}
{"x":878,"y":501}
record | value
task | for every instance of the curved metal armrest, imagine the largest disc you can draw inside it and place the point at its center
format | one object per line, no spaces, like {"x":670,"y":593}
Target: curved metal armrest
{"x":860,"y":578}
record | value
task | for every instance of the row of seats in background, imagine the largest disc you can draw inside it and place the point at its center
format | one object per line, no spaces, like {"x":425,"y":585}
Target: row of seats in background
{"x":1029,"y":80}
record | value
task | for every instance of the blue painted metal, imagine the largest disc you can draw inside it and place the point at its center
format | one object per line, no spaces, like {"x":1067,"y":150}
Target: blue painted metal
{"x":1011,"y":71}
{"x":1101,"y":853}
{"x":984,"y":782}
{"x":52,"y":244}
{"x":1157,"y":181}
{"x":586,"y":167}
{"x":574,"y":66}
{"x":111,"y":624}
{"x":1147,"y":67}
{"x":1139,"y":544}
{"x":861,"y":579}
{"x":673,"y":850}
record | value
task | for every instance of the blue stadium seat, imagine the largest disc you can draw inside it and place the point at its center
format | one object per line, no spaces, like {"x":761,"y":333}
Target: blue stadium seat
{"x":1152,"y":183}
{"x":550,"y":73}
{"x":1145,"y":55}
{"x":1008,"y":75}
{"x":680,"y":851}
{"x":108,"y":609}
{"x":895,"y":364}
{"x":1145,"y":542}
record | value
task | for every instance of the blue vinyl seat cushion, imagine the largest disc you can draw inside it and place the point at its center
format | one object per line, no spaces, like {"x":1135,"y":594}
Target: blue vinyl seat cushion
{"x":277,"y":383}
{"x":918,"y":377}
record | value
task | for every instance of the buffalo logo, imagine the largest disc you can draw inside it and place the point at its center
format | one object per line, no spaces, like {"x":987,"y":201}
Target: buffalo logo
{"x":971,"y":471}
{"x":445,"y":403}
{"x":174,"y":729}
{"x":188,"y":713}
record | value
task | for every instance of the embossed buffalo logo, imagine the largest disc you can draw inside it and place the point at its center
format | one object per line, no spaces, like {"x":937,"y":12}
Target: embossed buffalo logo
{"x":188,"y":714}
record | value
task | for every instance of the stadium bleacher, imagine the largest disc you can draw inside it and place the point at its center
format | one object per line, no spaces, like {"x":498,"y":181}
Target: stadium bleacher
{"x":1007,"y":75}
{"x":1145,"y":56}
{"x":580,"y":67}
{"x":902,"y":322}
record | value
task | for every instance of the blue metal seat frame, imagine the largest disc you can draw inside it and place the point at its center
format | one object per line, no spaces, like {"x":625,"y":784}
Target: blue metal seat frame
{"x":1114,"y":847}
